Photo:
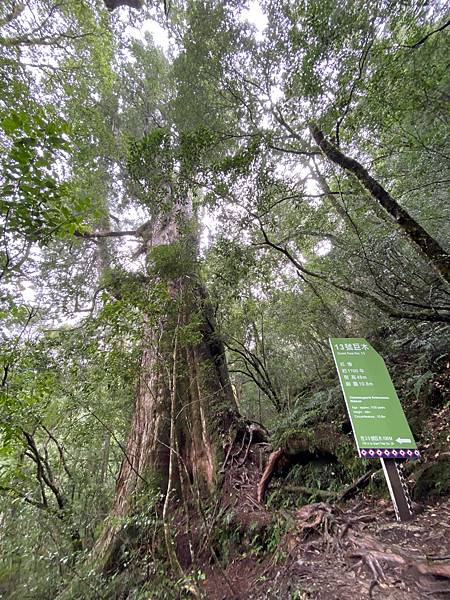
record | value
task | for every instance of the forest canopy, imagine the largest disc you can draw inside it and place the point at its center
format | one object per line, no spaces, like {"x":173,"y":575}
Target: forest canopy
{"x":194,"y":197}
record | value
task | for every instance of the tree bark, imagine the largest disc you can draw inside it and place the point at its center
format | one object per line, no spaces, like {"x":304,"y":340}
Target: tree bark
{"x":202,"y":408}
{"x":432,"y":251}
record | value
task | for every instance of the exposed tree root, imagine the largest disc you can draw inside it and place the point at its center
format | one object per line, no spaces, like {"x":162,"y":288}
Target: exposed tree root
{"x":254,"y":432}
{"x":267,"y":474}
{"x":340,"y":530}
{"x":435,"y":570}
{"x":303,"y":446}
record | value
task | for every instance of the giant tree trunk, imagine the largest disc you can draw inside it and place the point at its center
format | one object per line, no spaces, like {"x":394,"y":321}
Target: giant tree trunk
{"x":183,"y":383}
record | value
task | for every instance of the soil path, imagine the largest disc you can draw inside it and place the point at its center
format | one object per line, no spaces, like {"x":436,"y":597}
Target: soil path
{"x":352,"y":553}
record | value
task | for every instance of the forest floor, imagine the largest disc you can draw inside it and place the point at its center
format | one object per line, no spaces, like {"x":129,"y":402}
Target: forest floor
{"x":353,"y":552}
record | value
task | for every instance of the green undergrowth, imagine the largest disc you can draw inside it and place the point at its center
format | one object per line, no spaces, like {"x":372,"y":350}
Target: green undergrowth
{"x":249,"y":537}
{"x":324,"y":406}
{"x":316,"y":434}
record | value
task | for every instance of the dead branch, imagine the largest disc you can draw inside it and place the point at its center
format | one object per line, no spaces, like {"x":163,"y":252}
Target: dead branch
{"x":357,"y":485}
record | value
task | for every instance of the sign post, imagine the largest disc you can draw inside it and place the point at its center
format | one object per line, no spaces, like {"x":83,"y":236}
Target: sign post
{"x":379,"y":424}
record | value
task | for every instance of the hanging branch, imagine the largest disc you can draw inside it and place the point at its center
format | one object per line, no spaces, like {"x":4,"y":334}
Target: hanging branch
{"x":431,"y":315}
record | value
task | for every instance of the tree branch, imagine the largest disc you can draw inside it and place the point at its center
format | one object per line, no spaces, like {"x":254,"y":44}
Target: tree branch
{"x":437,"y":257}
{"x":424,"y":39}
{"x":12,"y":16}
{"x":113,"y":4}
{"x":43,"y":468}
{"x":432,"y":315}
{"x":60,"y":450}
{"x":361,"y":64}
{"x":24,"y":40}
{"x":104,"y":234}
{"x":23,"y":496}
{"x":278,"y":115}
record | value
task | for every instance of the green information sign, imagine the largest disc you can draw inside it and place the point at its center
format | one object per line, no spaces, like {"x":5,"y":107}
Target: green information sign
{"x":378,"y":421}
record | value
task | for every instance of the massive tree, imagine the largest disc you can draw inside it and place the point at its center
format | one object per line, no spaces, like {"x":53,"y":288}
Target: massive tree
{"x":185,"y":414}
{"x":111,"y":155}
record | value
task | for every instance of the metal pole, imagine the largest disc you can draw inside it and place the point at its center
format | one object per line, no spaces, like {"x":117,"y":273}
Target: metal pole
{"x":398,"y":489}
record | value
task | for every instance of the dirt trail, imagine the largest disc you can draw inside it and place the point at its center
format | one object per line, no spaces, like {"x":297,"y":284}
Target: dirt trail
{"x":356,"y":552}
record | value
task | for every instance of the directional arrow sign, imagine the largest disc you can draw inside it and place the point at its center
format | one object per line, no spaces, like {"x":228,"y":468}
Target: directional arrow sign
{"x":378,"y":421}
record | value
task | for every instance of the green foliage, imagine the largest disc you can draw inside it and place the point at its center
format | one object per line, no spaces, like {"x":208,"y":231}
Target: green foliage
{"x":34,"y":203}
{"x":170,"y":261}
{"x":242,"y":161}
{"x":432,"y":480}
{"x":230,"y":536}
{"x":421,"y":381}
{"x":194,"y":148}
{"x":318,"y":407}
{"x":148,"y":156}
{"x":101,"y":132}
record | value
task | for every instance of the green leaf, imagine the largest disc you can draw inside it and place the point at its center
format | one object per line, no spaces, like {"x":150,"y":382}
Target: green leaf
{"x":11,"y":123}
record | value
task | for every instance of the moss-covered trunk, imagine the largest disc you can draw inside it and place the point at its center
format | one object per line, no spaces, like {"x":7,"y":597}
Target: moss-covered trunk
{"x":183,"y":382}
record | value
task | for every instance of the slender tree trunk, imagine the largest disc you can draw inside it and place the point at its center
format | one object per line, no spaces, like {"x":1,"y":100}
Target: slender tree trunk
{"x":202,"y":410}
{"x":432,"y":251}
